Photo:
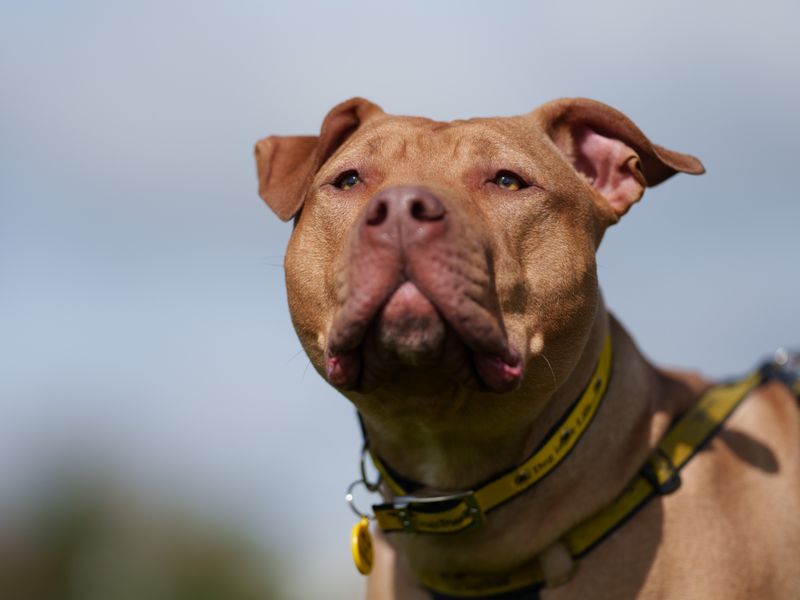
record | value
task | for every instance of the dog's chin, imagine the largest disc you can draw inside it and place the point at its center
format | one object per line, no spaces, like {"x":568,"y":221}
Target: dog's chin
{"x":410,"y":345}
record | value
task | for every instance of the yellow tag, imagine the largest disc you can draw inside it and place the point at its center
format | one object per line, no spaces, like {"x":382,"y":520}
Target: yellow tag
{"x":361,"y":542}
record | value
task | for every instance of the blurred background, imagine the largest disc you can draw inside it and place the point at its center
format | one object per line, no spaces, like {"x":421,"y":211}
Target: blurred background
{"x":162,"y":436}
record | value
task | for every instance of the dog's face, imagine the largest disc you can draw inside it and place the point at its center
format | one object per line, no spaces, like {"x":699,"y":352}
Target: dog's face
{"x":436,"y":265}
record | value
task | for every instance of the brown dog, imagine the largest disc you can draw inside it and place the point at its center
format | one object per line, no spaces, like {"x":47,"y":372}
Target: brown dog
{"x":443,"y":277}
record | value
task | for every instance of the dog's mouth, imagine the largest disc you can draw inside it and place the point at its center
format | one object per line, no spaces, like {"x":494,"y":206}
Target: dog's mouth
{"x":457,"y":338}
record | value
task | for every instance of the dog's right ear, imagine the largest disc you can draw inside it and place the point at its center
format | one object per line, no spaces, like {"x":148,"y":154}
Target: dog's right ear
{"x":286,"y":164}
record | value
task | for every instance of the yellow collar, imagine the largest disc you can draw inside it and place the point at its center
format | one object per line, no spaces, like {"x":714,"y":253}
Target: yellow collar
{"x":458,"y":512}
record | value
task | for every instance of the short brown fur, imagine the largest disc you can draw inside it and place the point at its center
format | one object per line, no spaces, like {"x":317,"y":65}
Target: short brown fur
{"x":526,"y":260}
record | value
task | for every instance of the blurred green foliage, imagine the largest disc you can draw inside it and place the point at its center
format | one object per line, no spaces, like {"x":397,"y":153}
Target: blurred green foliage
{"x":90,"y":542}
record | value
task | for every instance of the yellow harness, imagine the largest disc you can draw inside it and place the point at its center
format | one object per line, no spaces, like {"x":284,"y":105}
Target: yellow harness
{"x":458,"y":512}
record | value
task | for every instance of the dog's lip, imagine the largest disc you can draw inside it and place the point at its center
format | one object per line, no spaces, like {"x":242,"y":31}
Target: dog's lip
{"x":493,"y":365}
{"x":344,"y":369}
{"x":494,"y":373}
{"x":500,"y":373}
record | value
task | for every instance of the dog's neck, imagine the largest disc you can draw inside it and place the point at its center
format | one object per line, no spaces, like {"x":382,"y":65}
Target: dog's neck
{"x":638,"y":407}
{"x":453,"y":442}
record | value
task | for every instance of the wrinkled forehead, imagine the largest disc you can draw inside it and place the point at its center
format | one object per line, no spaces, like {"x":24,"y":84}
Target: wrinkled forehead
{"x":418,"y":140}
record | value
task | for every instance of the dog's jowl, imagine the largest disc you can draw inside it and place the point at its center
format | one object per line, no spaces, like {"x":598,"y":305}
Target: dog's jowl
{"x":442,"y":276}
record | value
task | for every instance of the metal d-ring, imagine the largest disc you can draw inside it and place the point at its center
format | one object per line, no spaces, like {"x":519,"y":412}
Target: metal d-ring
{"x":350,"y":502}
{"x":368,"y":485}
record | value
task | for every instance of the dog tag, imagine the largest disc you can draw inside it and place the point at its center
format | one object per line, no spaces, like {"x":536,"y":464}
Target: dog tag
{"x":361,"y":543}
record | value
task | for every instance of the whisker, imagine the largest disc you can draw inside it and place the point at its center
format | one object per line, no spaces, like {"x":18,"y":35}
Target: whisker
{"x":295,"y":355}
{"x":270,"y":258}
{"x":549,"y":366}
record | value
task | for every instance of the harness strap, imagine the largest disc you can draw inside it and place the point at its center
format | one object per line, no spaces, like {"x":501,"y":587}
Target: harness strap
{"x":659,"y":476}
{"x":662,"y":470}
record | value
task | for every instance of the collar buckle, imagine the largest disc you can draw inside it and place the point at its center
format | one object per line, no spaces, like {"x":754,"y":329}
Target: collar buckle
{"x":439,"y":514}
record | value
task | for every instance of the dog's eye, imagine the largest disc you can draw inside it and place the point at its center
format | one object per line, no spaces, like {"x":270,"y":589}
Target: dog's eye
{"x":347,"y":180}
{"x":509,"y":181}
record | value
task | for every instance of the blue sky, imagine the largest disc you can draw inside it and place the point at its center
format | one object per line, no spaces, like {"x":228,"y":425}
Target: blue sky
{"x":142,"y":309}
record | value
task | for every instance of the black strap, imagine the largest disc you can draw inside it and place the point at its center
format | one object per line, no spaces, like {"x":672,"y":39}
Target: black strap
{"x":531,"y":593}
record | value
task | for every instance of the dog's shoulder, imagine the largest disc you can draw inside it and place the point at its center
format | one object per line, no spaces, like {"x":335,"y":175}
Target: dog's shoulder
{"x":768,"y":419}
{"x":743,"y":489}
{"x":737,"y":513}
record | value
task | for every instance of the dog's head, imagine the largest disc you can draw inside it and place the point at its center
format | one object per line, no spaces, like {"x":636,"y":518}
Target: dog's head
{"x":433,"y":264}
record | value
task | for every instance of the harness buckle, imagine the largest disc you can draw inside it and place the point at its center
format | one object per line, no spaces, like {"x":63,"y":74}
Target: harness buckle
{"x":433,"y":515}
{"x":661,"y":473}
{"x":785,"y":367}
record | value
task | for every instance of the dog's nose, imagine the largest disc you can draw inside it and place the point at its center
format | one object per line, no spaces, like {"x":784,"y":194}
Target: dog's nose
{"x":409,"y":208}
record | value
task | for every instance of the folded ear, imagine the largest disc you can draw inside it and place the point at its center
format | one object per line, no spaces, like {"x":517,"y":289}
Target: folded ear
{"x":612,"y":153}
{"x":286,"y":164}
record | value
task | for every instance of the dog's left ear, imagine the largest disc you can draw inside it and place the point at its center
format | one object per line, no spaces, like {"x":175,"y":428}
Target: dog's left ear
{"x":612,"y":153}
{"x":286,"y":164}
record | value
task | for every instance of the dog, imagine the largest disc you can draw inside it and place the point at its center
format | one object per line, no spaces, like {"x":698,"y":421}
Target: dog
{"x":442,"y":276}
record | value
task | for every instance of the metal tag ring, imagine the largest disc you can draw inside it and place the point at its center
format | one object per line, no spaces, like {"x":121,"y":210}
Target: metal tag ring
{"x":351,"y":503}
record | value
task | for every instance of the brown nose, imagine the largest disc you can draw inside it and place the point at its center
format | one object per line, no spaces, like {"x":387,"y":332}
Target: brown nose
{"x":412,"y":211}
